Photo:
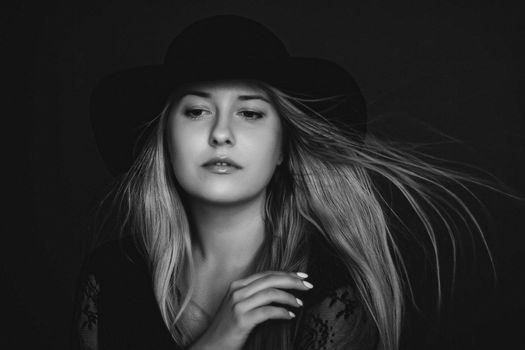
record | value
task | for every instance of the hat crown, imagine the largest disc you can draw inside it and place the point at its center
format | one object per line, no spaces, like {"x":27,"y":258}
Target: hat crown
{"x":214,"y":48}
{"x":225,"y":37}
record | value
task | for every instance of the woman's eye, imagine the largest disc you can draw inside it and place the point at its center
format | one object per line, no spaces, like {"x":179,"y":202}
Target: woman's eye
{"x":194,"y":113}
{"x":251,"y":115}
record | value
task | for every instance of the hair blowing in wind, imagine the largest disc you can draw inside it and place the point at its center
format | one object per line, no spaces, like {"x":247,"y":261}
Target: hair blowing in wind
{"x":326,"y":187}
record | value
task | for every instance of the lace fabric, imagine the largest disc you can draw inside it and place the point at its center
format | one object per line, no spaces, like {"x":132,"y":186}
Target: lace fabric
{"x":115,"y":306}
{"x":87,"y":322}
{"x":337,"y":322}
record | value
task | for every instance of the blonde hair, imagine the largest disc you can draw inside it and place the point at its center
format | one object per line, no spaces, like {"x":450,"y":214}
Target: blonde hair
{"x":327,"y":186}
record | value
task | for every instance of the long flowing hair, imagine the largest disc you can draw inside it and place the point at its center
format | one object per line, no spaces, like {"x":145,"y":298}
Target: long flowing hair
{"x":331,"y":186}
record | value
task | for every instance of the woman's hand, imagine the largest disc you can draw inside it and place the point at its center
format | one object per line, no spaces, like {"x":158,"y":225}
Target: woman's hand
{"x":247,"y":304}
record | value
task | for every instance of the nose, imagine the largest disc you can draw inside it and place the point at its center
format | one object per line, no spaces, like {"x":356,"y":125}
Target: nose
{"x":221,"y":132}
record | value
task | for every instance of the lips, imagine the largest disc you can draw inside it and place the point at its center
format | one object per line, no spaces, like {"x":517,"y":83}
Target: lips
{"x":222,"y":161}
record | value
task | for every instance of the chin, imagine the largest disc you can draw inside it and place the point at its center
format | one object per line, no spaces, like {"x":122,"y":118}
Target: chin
{"x":225,"y":195}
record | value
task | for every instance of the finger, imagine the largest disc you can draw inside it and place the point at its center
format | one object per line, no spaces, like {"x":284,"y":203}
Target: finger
{"x":245,"y":281}
{"x":264,"y":313}
{"x":285,"y":281}
{"x":266,"y":297}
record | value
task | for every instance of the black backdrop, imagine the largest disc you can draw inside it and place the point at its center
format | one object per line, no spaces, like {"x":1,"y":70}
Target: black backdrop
{"x":454,"y":66}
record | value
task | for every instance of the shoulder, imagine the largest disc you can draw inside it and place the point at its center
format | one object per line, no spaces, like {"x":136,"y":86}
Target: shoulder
{"x":120,"y":277}
{"x":327,"y":272}
{"x":113,"y":258}
{"x":118,"y":291}
{"x":337,"y":321}
{"x":334,"y":316}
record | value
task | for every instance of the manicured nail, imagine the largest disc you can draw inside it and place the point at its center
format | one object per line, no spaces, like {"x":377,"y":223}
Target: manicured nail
{"x":308,"y":284}
{"x":302,"y":274}
{"x":299,"y":301}
{"x":292,"y":315}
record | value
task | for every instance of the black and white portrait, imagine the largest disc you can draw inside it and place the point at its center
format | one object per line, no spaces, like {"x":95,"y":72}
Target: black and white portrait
{"x":265,"y":175}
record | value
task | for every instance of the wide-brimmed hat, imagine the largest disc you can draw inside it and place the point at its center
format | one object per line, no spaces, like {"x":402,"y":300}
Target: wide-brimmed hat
{"x":214,"y":48}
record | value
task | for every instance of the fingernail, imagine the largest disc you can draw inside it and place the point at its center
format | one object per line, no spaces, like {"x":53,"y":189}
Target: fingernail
{"x":308,"y":284}
{"x":299,"y":301}
{"x":302,"y":274}
{"x":292,"y":315}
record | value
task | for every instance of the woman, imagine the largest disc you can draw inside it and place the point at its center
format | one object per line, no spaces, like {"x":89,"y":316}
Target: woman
{"x":252,"y":212}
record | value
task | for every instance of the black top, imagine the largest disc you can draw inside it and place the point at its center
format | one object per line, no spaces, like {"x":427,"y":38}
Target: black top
{"x":116,"y":307}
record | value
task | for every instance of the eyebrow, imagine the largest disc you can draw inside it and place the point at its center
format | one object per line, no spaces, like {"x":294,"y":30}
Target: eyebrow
{"x":240,"y":97}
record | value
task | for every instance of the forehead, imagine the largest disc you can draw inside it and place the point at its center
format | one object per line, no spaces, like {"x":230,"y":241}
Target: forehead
{"x":237,"y":87}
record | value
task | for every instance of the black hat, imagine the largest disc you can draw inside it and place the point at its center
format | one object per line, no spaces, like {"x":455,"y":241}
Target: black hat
{"x":218,"y":47}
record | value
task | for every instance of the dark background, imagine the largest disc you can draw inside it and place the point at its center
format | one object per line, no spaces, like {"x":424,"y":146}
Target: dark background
{"x":455,"y":66}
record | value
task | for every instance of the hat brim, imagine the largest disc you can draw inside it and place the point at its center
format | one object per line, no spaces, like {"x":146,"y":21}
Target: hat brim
{"x":122,"y":103}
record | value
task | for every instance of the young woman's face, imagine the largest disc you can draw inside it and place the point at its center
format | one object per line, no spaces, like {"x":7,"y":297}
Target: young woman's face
{"x":224,"y":120}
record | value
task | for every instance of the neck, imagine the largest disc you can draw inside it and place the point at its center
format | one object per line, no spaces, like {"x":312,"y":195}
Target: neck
{"x":227,"y":237}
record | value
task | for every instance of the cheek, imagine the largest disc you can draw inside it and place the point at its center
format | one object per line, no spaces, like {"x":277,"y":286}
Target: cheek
{"x":267,"y":148}
{"x":275,"y":144}
{"x":182,"y":147}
